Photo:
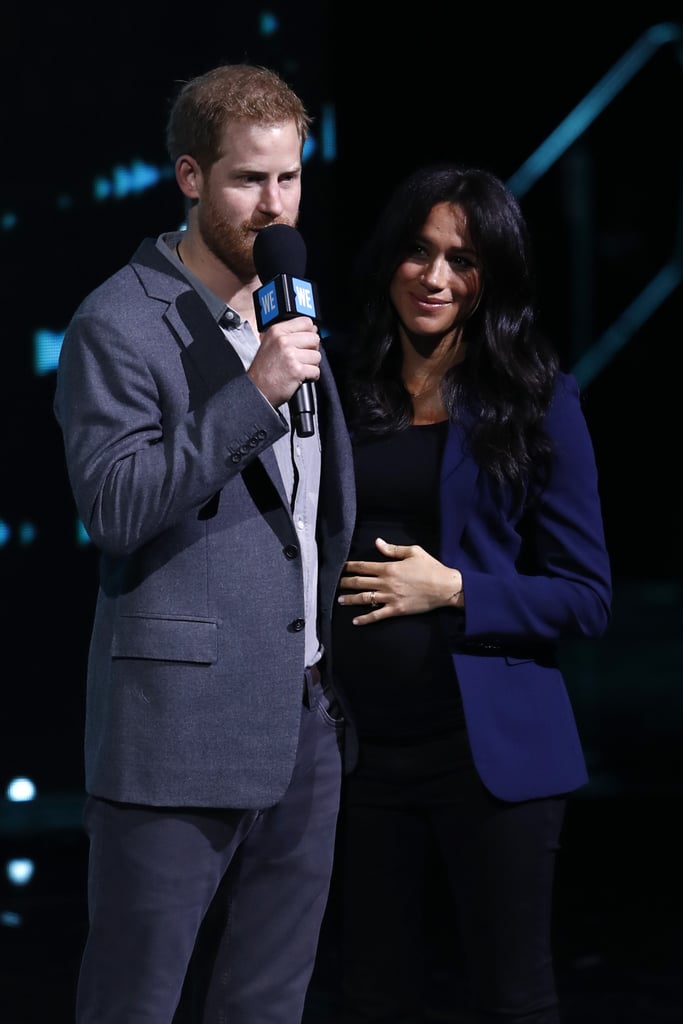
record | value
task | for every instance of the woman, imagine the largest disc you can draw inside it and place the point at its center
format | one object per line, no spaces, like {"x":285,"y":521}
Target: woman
{"x":479,"y":548}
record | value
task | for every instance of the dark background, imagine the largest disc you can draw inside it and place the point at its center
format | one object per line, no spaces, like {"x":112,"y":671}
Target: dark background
{"x":86,"y":90}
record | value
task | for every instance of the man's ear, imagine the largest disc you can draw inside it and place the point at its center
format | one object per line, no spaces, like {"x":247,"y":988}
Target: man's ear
{"x":189,"y":176}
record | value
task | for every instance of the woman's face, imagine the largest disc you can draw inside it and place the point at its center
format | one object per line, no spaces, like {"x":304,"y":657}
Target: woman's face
{"x":438,"y":284}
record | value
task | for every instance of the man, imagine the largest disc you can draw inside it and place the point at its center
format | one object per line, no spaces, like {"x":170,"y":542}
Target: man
{"x":212,"y":739}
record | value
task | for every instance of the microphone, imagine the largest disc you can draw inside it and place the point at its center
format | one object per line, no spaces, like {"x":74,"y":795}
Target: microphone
{"x":280,"y":261}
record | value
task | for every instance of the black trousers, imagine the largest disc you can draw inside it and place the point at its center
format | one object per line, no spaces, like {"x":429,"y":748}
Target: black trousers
{"x":405,"y":804}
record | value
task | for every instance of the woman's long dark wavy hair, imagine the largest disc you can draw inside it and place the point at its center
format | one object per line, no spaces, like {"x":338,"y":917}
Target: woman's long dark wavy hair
{"x":506,"y":381}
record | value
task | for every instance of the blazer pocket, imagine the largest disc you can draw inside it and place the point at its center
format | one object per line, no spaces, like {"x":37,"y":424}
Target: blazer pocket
{"x":166,"y":638}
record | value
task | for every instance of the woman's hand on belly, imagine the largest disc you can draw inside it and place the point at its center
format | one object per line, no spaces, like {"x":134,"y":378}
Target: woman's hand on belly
{"x":410,"y":582}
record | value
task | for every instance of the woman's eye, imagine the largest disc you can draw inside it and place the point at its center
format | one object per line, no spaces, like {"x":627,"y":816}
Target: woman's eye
{"x":462,"y":262}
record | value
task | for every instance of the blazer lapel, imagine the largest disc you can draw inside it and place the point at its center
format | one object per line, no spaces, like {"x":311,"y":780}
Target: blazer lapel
{"x":208,"y":359}
{"x":459,"y":474}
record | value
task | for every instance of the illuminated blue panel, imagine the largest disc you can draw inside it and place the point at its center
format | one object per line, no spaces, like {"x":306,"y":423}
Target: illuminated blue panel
{"x":310,"y":146}
{"x":583,"y":115}
{"x":268,"y":24}
{"x":46,"y":349}
{"x":328,"y":133}
{"x":127,"y":181}
{"x":5,"y":533}
{"x":27,"y":533}
{"x":633,"y":317}
{"x":82,"y":537}
{"x":8,"y":221}
{"x":558,"y":142}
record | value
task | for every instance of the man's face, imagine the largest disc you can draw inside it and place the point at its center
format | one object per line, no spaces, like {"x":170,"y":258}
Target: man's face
{"x":256,"y":182}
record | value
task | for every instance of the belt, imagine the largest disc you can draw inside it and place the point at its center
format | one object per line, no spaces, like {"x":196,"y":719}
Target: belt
{"x":544,"y":654}
{"x":311,"y":680}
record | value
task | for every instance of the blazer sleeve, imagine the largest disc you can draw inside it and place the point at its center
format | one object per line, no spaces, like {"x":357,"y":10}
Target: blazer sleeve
{"x":568,"y":592}
{"x":141,"y":453}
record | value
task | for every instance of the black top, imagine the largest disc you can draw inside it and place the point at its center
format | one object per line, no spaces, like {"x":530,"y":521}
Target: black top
{"x":398,"y":673}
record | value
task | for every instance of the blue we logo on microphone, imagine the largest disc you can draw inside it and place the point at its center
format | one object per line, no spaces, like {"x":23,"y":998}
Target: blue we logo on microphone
{"x":268,"y":305}
{"x":285,"y":297}
{"x":304,"y":297}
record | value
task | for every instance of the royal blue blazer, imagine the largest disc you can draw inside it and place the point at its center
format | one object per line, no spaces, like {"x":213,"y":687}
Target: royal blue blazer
{"x":531,"y":582}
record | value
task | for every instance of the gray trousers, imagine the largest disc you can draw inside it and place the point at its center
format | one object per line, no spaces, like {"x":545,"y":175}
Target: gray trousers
{"x":236,"y":896}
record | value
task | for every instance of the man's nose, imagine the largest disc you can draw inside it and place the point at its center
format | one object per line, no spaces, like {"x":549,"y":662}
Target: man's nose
{"x":271,"y":199}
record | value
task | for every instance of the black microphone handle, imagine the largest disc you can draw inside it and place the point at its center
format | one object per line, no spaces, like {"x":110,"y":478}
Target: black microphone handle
{"x":302,"y":407}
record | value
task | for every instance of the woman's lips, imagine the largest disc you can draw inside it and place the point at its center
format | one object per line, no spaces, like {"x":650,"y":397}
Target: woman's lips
{"x":427,"y":303}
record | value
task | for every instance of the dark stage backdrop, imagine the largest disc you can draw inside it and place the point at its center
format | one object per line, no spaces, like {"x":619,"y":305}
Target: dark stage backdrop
{"x":84,"y":177}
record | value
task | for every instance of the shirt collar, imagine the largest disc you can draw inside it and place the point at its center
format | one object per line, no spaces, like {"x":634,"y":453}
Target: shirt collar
{"x":223,"y":314}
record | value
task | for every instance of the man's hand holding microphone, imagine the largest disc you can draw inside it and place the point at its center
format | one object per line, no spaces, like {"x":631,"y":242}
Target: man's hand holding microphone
{"x":288,"y":359}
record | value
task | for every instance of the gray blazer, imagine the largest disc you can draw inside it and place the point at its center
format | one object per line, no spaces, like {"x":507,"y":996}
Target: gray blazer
{"x":196,"y":659}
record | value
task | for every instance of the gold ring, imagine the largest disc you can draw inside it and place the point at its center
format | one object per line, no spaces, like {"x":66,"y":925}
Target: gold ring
{"x":373,"y":603}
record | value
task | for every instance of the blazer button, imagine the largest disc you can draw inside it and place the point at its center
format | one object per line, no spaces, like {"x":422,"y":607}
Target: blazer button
{"x":298,"y":625}
{"x":291,"y":551}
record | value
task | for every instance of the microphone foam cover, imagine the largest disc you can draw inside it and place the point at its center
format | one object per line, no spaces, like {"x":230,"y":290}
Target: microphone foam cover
{"x":279,"y":249}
